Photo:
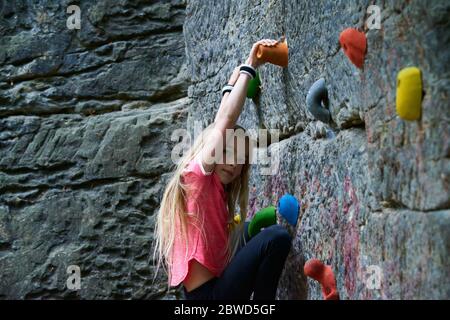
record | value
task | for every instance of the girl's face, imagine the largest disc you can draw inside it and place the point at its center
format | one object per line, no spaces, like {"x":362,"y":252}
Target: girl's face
{"x":233,"y":163}
{"x":228,"y":172}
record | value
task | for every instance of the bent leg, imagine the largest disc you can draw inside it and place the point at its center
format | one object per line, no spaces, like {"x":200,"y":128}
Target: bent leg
{"x":270,"y":269}
{"x":256,"y":267}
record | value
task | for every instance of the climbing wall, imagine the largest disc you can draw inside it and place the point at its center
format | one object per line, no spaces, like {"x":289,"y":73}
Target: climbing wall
{"x":373,"y":188}
{"x":86,"y":118}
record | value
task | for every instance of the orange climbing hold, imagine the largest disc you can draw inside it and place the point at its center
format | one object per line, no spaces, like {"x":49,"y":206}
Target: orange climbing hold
{"x":277,"y":54}
{"x":354,"y":44}
{"x":322,"y":273}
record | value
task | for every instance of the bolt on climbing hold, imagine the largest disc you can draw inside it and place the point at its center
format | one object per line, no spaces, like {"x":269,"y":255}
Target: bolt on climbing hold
{"x":409,"y":93}
{"x":253,"y":86}
{"x":317,"y":101}
{"x":288,"y":207}
{"x":262,"y":219}
{"x":322,"y":273}
{"x":354,"y":44}
{"x":277,"y":54}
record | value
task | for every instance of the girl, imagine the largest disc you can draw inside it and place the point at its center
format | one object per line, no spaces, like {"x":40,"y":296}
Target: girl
{"x":195,"y":235}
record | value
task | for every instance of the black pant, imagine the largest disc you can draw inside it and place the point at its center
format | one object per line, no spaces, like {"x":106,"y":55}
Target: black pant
{"x":256,"y":267}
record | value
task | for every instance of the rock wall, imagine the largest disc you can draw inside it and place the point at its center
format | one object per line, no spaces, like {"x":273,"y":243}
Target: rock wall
{"x":374,"y":189}
{"x":86,"y":118}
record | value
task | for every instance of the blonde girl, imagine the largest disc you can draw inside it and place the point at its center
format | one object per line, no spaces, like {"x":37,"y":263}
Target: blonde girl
{"x":197,"y":240}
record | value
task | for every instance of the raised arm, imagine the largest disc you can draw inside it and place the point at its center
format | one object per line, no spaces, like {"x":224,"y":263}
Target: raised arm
{"x":232,"y":81}
{"x":231,"y":108}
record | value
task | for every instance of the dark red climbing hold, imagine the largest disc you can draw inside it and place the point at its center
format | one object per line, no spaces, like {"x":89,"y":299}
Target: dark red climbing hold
{"x":354,"y":44}
{"x":322,"y":273}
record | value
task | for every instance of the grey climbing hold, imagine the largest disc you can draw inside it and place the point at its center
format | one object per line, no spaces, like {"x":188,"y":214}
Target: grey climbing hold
{"x":330,"y":134}
{"x":317,"y":101}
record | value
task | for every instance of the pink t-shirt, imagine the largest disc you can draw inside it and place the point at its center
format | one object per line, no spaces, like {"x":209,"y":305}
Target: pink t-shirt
{"x":211,"y":198}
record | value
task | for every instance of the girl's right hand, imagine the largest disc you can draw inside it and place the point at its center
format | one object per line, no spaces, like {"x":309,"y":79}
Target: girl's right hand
{"x":252,"y":58}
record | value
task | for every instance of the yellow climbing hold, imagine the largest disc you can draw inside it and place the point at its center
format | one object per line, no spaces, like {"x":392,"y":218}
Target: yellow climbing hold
{"x":409,"y":93}
{"x":236,"y":221}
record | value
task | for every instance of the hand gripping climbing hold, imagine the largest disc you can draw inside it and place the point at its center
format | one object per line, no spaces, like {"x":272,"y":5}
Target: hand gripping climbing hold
{"x":317,"y":94}
{"x":288,"y":207}
{"x":262,"y":219}
{"x":322,"y":273}
{"x":354,"y":44}
{"x":277,"y":54}
{"x":253,"y":86}
{"x":409,"y":93}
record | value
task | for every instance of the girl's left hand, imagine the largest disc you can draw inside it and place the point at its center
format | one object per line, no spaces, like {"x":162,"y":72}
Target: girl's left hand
{"x":252,"y":58}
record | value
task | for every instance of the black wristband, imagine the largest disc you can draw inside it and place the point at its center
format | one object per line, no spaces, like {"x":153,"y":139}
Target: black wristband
{"x":245,"y":68}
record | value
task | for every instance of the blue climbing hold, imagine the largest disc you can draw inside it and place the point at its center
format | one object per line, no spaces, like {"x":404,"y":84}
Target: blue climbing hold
{"x":317,"y":101}
{"x":288,"y":207}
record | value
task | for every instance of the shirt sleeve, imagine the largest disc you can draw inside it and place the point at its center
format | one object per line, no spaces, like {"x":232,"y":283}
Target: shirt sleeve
{"x":198,"y":182}
{"x":198,"y":160}
{"x":196,"y":167}
{"x":195,"y":175}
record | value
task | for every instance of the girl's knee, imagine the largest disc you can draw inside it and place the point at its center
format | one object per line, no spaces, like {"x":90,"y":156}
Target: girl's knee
{"x":278,"y":234}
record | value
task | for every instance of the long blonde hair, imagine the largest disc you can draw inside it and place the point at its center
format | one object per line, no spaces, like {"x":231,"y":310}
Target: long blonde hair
{"x":173,"y":206}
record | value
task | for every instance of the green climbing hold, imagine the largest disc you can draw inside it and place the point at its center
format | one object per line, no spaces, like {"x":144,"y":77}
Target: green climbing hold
{"x":253,"y":86}
{"x":262,"y":219}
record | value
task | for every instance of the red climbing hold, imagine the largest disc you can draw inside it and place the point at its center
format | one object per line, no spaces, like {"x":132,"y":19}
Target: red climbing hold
{"x":322,"y":273}
{"x":354,"y":44}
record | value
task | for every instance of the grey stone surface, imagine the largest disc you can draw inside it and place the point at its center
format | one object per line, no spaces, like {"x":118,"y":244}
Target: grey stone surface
{"x":343,"y":224}
{"x":83,"y":191}
{"x":89,"y":70}
{"x":86,"y":118}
